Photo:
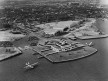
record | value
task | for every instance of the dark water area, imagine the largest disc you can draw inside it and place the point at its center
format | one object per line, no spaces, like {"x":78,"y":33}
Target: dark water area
{"x":92,"y":68}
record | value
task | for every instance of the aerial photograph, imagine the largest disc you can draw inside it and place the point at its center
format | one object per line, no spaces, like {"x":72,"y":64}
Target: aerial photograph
{"x":53,"y":40}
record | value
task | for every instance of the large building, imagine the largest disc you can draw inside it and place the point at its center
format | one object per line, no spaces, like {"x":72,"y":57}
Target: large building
{"x":52,"y":28}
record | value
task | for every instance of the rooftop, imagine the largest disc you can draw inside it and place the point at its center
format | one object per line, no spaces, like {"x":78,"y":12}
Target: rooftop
{"x":52,"y":28}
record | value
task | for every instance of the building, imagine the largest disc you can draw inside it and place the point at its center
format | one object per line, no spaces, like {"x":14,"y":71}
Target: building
{"x":61,"y":45}
{"x":52,"y":28}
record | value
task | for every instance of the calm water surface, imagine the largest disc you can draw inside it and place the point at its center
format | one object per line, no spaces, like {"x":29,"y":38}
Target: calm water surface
{"x":92,"y":68}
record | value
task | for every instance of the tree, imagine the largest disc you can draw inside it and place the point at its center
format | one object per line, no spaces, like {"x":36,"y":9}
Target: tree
{"x":34,"y":44}
{"x":66,"y":29}
{"x":7,"y":26}
{"x":59,"y":33}
{"x":32,"y":38}
{"x":6,"y":44}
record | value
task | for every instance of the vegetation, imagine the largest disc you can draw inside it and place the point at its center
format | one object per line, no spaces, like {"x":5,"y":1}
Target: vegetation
{"x":32,"y":38}
{"x":34,"y":44}
{"x":6,"y":44}
{"x":50,"y":12}
{"x":28,"y":16}
{"x":59,"y":33}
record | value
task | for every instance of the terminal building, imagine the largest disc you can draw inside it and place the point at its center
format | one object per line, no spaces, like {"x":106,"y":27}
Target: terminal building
{"x":52,"y":28}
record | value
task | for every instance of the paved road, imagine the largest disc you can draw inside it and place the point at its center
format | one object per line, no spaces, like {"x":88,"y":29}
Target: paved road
{"x":92,"y":68}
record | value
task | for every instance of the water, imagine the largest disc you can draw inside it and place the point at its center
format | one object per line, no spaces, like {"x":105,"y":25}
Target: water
{"x":92,"y":68}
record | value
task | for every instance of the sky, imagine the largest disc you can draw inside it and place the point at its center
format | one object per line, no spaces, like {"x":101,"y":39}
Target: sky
{"x":105,"y":2}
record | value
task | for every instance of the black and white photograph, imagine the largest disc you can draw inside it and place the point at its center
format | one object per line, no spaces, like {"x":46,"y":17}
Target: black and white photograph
{"x":53,"y":40}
